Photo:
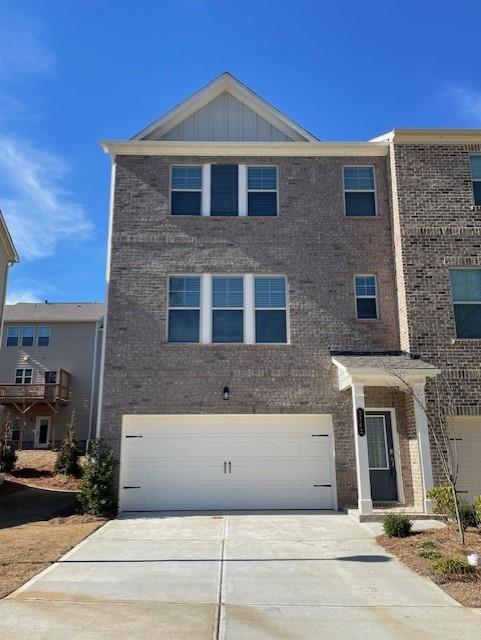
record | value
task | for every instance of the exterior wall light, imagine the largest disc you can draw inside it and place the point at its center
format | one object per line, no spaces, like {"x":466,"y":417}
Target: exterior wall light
{"x":226,"y":393}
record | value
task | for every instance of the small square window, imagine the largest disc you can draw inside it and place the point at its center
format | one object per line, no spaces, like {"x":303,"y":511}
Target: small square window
{"x":359,"y":191}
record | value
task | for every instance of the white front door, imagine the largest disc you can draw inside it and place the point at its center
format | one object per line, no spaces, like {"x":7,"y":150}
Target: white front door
{"x":42,"y":432}
{"x":227,"y":462}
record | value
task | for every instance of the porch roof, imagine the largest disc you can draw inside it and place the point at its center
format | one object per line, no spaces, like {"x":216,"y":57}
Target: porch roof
{"x":389,"y":369}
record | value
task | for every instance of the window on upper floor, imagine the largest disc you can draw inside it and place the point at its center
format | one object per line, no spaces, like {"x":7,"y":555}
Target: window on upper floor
{"x":227,"y":309}
{"x":224,"y":190}
{"x":13,"y":335}
{"x":184,"y":308}
{"x":23,"y":376}
{"x":214,"y":309}
{"x":466,"y":295}
{"x":28,"y":335}
{"x":43,"y":337}
{"x":186,"y":190}
{"x":366,"y":297}
{"x":359,"y":191}
{"x":475,"y":163}
{"x":271,"y":309}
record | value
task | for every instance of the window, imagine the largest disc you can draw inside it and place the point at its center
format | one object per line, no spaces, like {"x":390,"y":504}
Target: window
{"x":475,"y":162}
{"x":28,"y":334}
{"x":261,"y":191}
{"x":186,"y":196}
{"x":16,"y":429}
{"x":270,"y":309}
{"x":359,"y":191}
{"x":366,"y":297}
{"x":227,"y":309}
{"x":184,"y":308}
{"x":377,"y":443}
{"x":43,"y":338}
{"x":466,"y":291}
{"x":50,"y":377}
{"x":13,"y":334}
{"x":224,"y":190}
{"x":23,"y":376}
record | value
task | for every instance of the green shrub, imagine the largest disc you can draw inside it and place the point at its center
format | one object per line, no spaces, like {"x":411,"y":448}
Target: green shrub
{"x":452,"y":566}
{"x":8,"y":456}
{"x":428,"y":545}
{"x":443,"y":501}
{"x":467,"y":514}
{"x":396,"y":525}
{"x":97,"y":486}
{"x":431,"y":554}
{"x":477,"y":510}
{"x":67,"y":458}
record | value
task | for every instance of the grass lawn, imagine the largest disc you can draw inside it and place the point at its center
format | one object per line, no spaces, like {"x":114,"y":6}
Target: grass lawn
{"x":35,"y":468}
{"x":27,"y":549}
{"x":464,"y":589}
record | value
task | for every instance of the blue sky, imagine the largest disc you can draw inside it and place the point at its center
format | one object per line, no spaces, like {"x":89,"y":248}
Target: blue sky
{"x":73,"y":72}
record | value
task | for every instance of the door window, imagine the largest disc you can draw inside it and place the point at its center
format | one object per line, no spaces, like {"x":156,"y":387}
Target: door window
{"x":376,"y":442}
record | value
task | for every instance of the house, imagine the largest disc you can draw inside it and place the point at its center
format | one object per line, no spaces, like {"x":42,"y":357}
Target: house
{"x":273,"y":302}
{"x":49,"y":367}
{"x":8,"y":257}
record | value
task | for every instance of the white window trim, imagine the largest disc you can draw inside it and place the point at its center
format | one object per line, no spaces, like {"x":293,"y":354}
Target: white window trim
{"x":375,"y":296}
{"x":285,"y":308}
{"x":43,"y":326}
{"x":206,"y":308}
{"x":23,"y":369}
{"x":473,"y":180}
{"x":242,"y":185}
{"x":201,"y":190}
{"x":169,"y":308}
{"x":344,"y":190}
{"x":28,"y":326}
{"x":18,"y":336}
{"x":454,"y":303}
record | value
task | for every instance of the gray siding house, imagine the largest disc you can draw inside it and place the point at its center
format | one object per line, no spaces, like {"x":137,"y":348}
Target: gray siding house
{"x":273,"y":300}
{"x":49,"y":367}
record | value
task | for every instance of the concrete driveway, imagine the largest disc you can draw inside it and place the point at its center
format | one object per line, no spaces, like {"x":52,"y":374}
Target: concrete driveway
{"x":237,"y":577}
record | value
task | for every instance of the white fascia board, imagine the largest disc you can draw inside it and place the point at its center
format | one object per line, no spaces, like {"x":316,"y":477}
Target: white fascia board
{"x":308,"y":149}
{"x":6,"y":238}
{"x":431,"y":136}
{"x":225,"y":82}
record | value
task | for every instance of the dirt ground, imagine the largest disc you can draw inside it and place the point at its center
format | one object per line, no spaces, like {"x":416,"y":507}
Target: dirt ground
{"x":29,"y":548}
{"x":466,"y":590}
{"x":35,"y":468}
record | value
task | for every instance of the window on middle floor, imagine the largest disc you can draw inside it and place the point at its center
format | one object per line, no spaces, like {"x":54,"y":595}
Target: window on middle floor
{"x":13,"y":334}
{"x":227,"y":309}
{"x":270,"y":302}
{"x":28,"y":334}
{"x":184,"y":308}
{"x":366,"y":297}
{"x":359,"y":191}
{"x":475,"y":163}
{"x":466,"y":294}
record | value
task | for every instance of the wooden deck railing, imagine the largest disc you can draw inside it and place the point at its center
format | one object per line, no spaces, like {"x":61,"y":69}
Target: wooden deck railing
{"x":37,"y":392}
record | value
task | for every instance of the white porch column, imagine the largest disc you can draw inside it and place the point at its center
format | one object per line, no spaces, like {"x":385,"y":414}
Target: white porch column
{"x":362,"y":459}
{"x":422,"y":432}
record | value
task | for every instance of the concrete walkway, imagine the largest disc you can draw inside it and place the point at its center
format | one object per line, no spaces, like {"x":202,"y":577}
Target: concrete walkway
{"x":286,"y":576}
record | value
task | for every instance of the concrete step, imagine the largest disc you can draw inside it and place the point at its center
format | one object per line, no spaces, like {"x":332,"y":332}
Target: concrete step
{"x":377,"y":515}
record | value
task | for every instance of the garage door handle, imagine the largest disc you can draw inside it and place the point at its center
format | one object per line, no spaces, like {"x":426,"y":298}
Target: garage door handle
{"x":230,"y":467}
{"x":225,"y":467}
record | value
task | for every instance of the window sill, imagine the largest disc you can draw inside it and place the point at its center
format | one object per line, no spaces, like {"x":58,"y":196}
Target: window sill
{"x":368,"y":320}
{"x":376,"y":217}
{"x":227,"y":344}
{"x":457,"y":341}
{"x":196,"y":215}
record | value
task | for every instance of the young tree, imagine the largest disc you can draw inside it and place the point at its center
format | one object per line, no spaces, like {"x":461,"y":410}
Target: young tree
{"x":67,"y":458}
{"x":8,"y":456}
{"x":439,"y":413}
{"x":97,"y":495}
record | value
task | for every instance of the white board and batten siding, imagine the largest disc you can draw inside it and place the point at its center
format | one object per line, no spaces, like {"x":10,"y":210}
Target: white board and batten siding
{"x":196,"y":462}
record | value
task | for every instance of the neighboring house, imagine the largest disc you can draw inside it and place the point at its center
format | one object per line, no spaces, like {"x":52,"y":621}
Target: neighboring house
{"x":264,"y":285}
{"x":49,"y":366}
{"x":8,"y":257}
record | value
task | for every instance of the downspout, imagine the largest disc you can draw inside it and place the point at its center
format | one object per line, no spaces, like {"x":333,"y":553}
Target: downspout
{"x":94,"y":377}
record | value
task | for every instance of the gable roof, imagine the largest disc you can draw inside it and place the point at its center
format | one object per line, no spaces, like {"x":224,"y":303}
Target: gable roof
{"x":6,"y":239}
{"x":54,"y":312}
{"x":223,"y":88}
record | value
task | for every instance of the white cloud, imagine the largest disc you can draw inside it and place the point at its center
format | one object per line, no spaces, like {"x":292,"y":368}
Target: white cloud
{"x":19,"y":295}
{"x":22,"y":50}
{"x":39,"y":211}
{"x":467,"y":101}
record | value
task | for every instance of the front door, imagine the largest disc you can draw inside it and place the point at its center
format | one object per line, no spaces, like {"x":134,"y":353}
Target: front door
{"x":382,"y":464}
{"x":42,"y":432}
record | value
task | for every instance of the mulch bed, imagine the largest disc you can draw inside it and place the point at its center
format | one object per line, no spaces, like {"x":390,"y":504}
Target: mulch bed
{"x":466,"y":589}
{"x":35,"y":468}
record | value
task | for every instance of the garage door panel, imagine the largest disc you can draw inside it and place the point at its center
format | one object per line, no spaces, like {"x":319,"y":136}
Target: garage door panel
{"x":178,"y":463}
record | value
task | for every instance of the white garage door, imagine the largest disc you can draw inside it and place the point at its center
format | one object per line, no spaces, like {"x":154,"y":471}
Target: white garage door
{"x":227,"y":462}
{"x":468,"y":440}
